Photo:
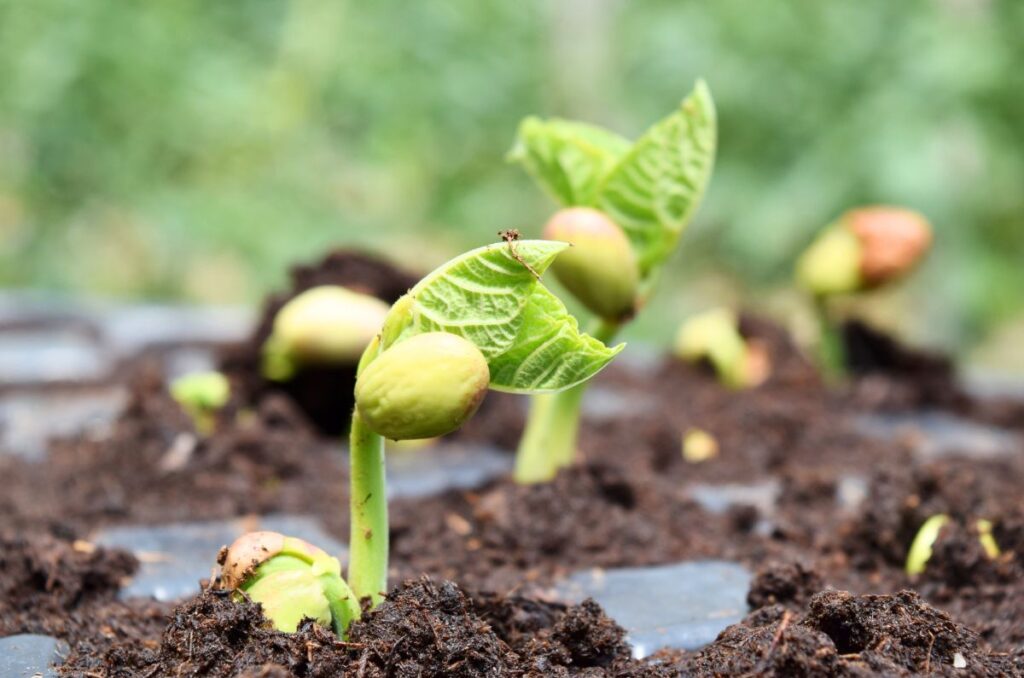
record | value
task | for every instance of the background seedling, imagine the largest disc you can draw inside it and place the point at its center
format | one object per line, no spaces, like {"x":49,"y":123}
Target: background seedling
{"x":714,"y":336}
{"x":921,"y":547}
{"x":480,"y":321}
{"x":201,"y":394}
{"x":627,"y":204}
{"x":326,"y":325}
{"x":864,"y":249}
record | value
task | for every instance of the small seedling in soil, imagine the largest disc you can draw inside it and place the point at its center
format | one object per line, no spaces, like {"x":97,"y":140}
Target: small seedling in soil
{"x":481,"y":321}
{"x":921,"y":547}
{"x":201,"y":394}
{"x":864,"y":249}
{"x":323,"y":326}
{"x":625,"y":206}
{"x":714,"y":337}
{"x":292,"y":580}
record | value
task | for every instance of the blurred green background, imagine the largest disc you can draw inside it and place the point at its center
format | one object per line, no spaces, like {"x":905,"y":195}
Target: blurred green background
{"x":187,"y":149}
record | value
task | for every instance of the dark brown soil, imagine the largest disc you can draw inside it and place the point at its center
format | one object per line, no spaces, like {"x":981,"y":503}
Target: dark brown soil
{"x":631,"y":501}
{"x":323,"y":394}
{"x":434,"y":629}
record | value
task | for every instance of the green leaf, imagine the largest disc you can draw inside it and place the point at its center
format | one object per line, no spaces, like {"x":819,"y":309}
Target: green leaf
{"x":569,"y":159}
{"x":493,"y":297}
{"x":655,"y":189}
{"x":549,"y":353}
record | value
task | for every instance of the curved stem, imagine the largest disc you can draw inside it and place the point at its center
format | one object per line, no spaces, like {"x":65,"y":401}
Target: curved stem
{"x":368,"y":537}
{"x":549,"y":439}
{"x":343,"y":602}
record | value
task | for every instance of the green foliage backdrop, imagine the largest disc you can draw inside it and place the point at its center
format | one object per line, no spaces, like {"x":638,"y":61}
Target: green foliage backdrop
{"x":191,"y":149}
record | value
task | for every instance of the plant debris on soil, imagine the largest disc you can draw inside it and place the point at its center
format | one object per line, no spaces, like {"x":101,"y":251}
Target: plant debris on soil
{"x":632,"y":500}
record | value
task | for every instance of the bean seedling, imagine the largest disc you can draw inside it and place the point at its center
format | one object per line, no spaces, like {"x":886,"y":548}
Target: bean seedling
{"x":480,"y":321}
{"x":714,"y":336}
{"x":921,"y":547}
{"x":864,"y":249}
{"x":323,"y":326}
{"x":625,"y":205}
{"x":201,"y":394}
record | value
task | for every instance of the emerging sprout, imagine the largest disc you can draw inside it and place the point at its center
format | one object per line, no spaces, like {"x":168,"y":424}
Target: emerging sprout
{"x":625,"y":205}
{"x":481,"y":320}
{"x":201,"y":394}
{"x":290,"y":578}
{"x":864,"y":249}
{"x":921,"y":548}
{"x":600,"y":268}
{"x":424,"y":387}
{"x":714,"y":336}
{"x":327,"y":325}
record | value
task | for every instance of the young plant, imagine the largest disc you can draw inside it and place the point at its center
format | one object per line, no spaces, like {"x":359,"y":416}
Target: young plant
{"x":625,"y":206}
{"x":921,"y":547}
{"x":480,"y":321}
{"x":864,"y":249}
{"x":714,"y":336}
{"x":290,"y":578}
{"x":326,"y":325}
{"x":201,"y":394}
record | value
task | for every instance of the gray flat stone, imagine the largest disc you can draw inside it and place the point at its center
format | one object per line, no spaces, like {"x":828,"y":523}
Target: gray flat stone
{"x":934,"y":434}
{"x":720,"y":498}
{"x":47,"y":355}
{"x":418,"y":473}
{"x":29,"y":420}
{"x":684,"y":606}
{"x":30,"y":656}
{"x":128,"y":329}
{"x":175,"y":557}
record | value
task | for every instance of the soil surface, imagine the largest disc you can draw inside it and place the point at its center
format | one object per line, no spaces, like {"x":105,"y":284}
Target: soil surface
{"x":632,"y":500}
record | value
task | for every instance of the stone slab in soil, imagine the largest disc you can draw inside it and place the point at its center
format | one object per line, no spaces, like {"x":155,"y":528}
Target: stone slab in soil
{"x":174,"y":558}
{"x":41,"y":355}
{"x":30,"y":656}
{"x":28,"y":420}
{"x":420,"y":473}
{"x":934,"y":434}
{"x":684,"y":606}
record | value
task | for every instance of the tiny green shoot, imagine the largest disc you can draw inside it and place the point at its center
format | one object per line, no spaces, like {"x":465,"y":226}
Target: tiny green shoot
{"x":624,"y":207}
{"x":921,"y":547}
{"x":201,"y":394}
{"x":864,"y":249}
{"x":481,"y":321}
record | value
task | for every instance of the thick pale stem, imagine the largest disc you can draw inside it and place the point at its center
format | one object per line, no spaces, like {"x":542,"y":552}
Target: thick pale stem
{"x":549,"y":440}
{"x":831,"y":347}
{"x":368,"y":539}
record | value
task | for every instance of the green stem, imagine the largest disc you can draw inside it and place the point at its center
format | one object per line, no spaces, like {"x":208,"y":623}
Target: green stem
{"x":368,"y":538}
{"x":831,"y":348}
{"x":549,"y":439}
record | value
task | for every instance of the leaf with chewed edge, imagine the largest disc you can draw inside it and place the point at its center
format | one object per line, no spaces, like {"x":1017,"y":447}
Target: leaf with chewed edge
{"x":493,"y":297}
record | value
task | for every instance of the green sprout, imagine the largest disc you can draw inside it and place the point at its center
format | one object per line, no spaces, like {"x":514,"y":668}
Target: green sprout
{"x":864,"y":249}
{"x":481,"y":321}
{"x":201,"y":394}
{"x":921,"y":547}
{"x":323,"y":326}
{"x":625,"y":206}
{"x":714,"y":336}
{"x":291,"y":579}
